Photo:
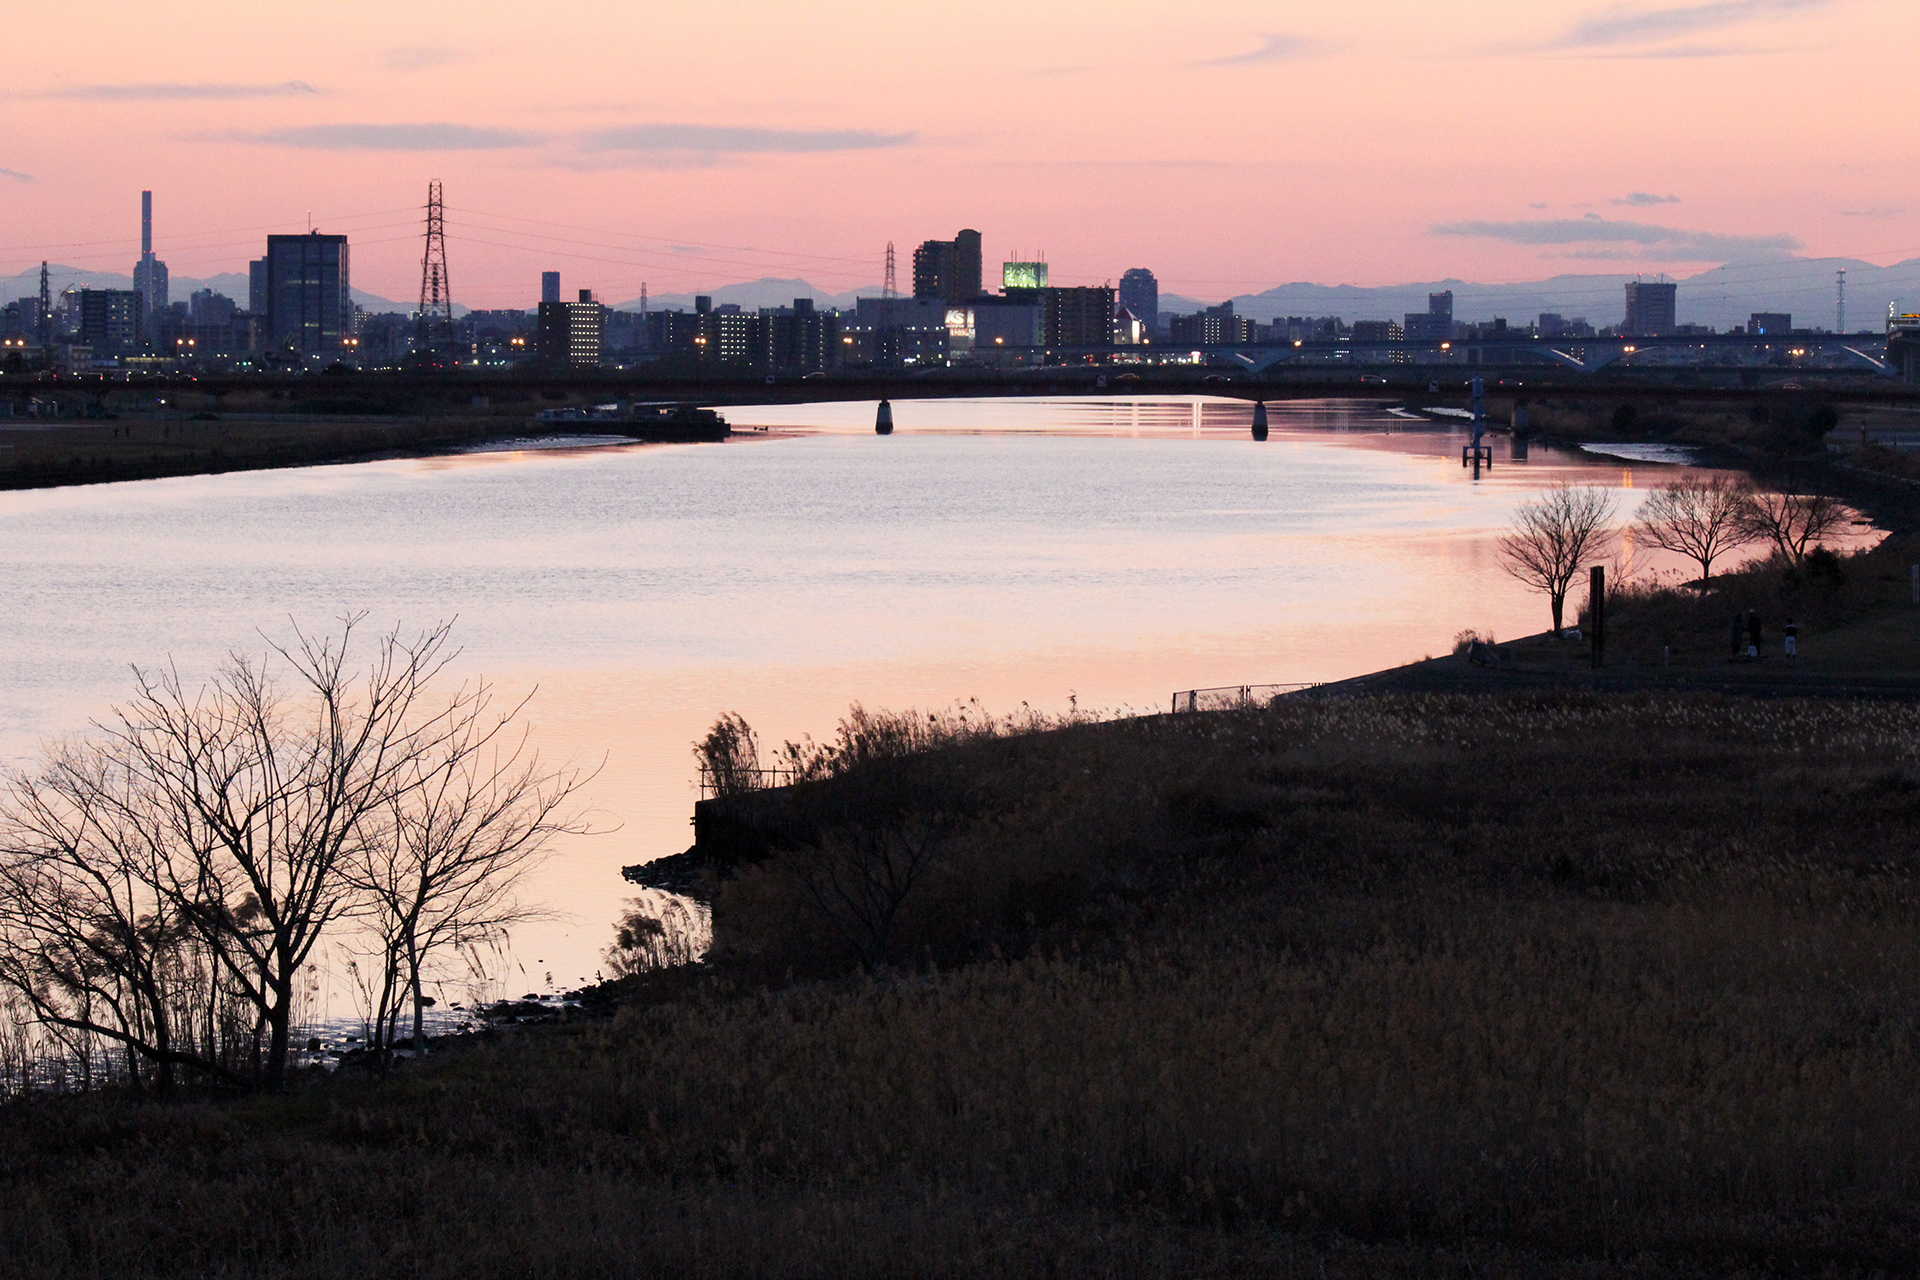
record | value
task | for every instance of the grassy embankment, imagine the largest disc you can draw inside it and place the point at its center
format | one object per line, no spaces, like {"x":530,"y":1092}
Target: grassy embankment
{"x":256,"y":430}
{"x":93,"y":451}
{"x":1859,"y":631}
{"x":1534,"y":984}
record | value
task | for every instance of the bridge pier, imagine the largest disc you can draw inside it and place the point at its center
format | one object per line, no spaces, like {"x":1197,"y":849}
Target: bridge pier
{"x":1259,"y":419}
{"x":883,"y":421}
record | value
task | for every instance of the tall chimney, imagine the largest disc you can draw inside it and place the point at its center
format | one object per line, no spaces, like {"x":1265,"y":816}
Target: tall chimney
{"x":146,"y":222}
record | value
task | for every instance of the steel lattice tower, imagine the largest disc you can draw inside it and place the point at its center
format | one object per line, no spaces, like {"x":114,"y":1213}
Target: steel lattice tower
{"x":433,"y":326}
{"x":889,"y":289}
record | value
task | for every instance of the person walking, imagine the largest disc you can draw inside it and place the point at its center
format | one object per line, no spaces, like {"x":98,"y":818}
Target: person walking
{"x":1753,"y":633}
{"x":1793,"y":639}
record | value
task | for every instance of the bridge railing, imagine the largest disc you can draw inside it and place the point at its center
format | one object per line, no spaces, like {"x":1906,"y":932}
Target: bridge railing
{"x":1234,"y":697}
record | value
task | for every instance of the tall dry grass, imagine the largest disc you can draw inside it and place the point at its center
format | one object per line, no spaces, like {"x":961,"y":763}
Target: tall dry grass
{"x":1544,"y":985}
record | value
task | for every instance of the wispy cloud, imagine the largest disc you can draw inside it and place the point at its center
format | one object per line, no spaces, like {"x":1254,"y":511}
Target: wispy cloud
{"x":1892,"y":212}
{"x":726,"y":138}
{"x":1669,"y":244}
{"x":1644,"y":198}
{"x":1672,"y":51}
{"x":165,"y":92}
{"x":1538,"y":204}
{"x":393,"y":137}
{"x":14,"y":175}
{"x":1626,"y":25}
{"x":1273,"y":48}
{"x":422,"y":57}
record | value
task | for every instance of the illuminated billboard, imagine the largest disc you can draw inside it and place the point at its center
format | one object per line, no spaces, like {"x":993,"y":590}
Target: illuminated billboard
{"x":1023,"y":275}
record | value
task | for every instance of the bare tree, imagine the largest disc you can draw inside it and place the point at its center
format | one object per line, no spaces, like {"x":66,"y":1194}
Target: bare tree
{"x":444,"y":857}
{"x":1697,"y":518}
{"x":89,"y":940}
{"x":1794,"y":523}
{"x":264,"y":796}
{"x":208,"y":833}
{"x":1553,"y":537}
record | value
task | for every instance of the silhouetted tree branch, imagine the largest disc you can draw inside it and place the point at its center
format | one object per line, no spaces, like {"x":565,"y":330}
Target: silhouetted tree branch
{"x":1701,"y":519}
{"x":1553,"y":537}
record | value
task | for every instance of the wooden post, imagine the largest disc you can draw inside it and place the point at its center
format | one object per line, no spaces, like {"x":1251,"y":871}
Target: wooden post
{"x":1597,"y":611}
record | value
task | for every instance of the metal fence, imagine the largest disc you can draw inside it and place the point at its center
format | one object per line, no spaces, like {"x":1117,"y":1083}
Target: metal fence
{"x":1234,"y":697}
{"x":742,"y":780}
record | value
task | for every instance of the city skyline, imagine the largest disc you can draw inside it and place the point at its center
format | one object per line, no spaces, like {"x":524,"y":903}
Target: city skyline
{"x":1270,"y":143}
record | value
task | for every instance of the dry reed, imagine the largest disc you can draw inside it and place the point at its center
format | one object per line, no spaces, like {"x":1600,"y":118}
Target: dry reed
{"x":1546,"y":985}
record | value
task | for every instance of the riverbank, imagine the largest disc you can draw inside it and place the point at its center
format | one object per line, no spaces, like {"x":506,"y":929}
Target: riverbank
{"x":54,"y":452}
{"x":1541,"y":984}
{"x":1806,"y":442}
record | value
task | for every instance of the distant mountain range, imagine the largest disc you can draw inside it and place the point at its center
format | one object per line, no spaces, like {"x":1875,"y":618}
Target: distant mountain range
{"x":1723,"y":296}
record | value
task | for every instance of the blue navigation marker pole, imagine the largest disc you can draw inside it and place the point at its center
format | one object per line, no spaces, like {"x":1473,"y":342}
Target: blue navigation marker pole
{"x":1478,"y":452}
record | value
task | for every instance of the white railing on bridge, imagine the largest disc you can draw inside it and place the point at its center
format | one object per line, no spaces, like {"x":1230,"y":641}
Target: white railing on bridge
{"x":1234,"y":697}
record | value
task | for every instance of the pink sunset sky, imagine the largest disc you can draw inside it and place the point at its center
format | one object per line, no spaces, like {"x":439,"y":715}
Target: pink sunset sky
{"x":1230,"y":146}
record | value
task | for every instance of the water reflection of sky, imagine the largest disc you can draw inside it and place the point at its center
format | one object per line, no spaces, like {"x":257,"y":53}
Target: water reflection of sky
{"x":1107,"y":552}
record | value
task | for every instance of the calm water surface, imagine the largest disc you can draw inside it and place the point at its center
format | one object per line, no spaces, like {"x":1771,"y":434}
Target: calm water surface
{"x":1039,"y":551}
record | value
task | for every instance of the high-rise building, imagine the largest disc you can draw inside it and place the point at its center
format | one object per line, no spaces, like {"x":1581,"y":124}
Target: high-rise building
{"x":1078,"y":317}
{"x":1435,"y":324}
{"x":112,"y":320}
{"x":801,"y":339}
{"x":149,"y":274}
{"x":1368,"y":331}
{"x":1770,"y":322}
{"x":1016,"y":321}
{"x":948,"y":269}
{"x":308,"y":294}
{"x":549,"y":286}
{"x":1903,"y":344}
{"x":1551,"y":324}
{"x":1650,"y":308}
{"x":966,"y":266}
{"x":573,"y":333}
{"x":208,"y":307}
{"x":1140,"y":294}
{"x":1215,"y":326}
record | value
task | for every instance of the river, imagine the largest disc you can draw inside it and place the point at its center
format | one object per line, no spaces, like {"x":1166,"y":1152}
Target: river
{"x":1098,"y":553}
